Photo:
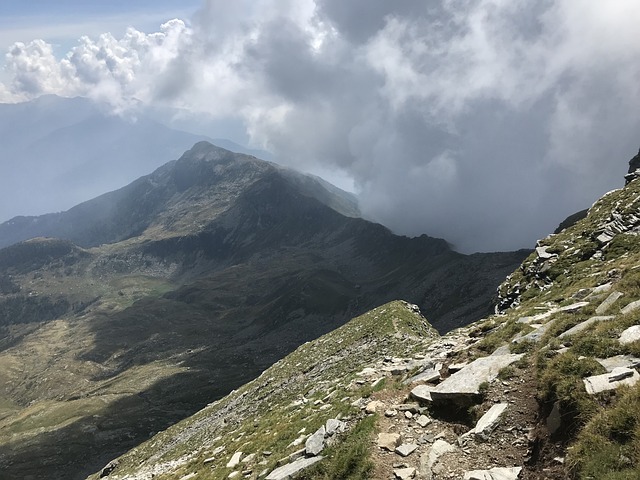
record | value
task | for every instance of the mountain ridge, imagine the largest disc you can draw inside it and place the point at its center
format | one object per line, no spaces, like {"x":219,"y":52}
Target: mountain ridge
{"x":203,"y":276}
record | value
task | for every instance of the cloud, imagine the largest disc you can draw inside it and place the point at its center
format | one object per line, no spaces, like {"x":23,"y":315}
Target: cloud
{"x":485,"y":122}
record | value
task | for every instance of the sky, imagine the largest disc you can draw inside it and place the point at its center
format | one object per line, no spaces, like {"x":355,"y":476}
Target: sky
{"x":484,"y":122}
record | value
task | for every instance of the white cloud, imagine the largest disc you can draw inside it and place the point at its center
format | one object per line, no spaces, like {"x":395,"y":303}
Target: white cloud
{"x":483,"y":121}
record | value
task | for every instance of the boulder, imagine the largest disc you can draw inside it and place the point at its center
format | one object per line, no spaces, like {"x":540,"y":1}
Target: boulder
{"x":286,"y":472}
{"x":465,"y":384}
{"x":315,"y":443}
{"x":422,"y":393}
{"x":554,"y":420}
{"x":423,"y":421}
{"x":612,"y":380}
{"x":630,"y":335}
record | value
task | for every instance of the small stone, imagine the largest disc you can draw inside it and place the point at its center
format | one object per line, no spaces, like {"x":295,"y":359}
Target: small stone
{"x":234,"y":474}
{"x":373,"y":406}
{"x":404,"y":473}
{"x":390,"y":413}
{"x":408,"y":415}
{"x":423,"y":420}
{"x":489,"y":421}
{"x":406,"y":449}
{"x":249,"y":458}
{"x":388,"y":441}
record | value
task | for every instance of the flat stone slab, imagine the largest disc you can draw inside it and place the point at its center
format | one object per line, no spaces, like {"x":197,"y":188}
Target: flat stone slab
{"x":429,"y":375}
{"x":619,"y":361}
{"x":582,"y":326}
{"x":630,"y":335}
{"x":489,"y":421}
{"x":422,"y":393}
{"x":406,"y":449}
{"x":404,"y":473}
{"x":632,"y":307}
{"x":608,"y":302}
{"x":467,"y":381}
{"x":235,"y":460}
{"x":574,"y":307}
{"x":496,"y":473}
{"x":315,"y":443}
{"x":286,"y":472}
{"x":610,"y":381}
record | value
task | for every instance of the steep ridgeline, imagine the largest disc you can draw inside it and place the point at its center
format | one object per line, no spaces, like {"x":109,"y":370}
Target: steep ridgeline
{"x":161,"y":297}
{"x":546,"y":389}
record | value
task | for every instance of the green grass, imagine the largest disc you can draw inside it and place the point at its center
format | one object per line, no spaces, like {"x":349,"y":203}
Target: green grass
{"x":350,"y":460}
{"x":608,"y":448}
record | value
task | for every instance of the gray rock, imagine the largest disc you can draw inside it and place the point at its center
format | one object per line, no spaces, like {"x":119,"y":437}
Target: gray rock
{"x":543,"y":254}
{"x":489,"y":421}
{"x":235,"y":460}
{"x":423,"y":421}
{"x":501,"y":350}
{"x":496,"y":473}
{"x":334,"y":426}
{"x":619,"y":361}
{"x":466,"y":383}
{"x":574,"y":307}
{"x":630,"y":335}
{"x":609,"y":301}
{"x":406,"y":449}
{"x":535,"y":335}
{"x":632,"y":307}
{"x":422,"y":393}
{"x":286,"y":472}
{"x":429,"y":375}
{"x":404,"y":473}
{"x":606,"y":381}
{"x":315,"y":443}
{"x":428,"y":460}
{"x":582,"y":326}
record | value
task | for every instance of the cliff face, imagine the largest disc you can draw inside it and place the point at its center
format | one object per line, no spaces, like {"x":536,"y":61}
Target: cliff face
{"x":548,"y":388}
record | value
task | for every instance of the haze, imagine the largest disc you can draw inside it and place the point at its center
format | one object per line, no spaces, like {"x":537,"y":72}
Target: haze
{"x":484,"y":122}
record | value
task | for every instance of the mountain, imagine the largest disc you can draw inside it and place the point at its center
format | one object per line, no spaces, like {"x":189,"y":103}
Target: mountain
{"x":161,"y":297}
{"x":57,"y":152}
{"x":546,"y":388}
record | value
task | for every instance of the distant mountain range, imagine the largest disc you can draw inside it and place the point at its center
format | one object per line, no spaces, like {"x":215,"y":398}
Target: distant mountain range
{"x":57,"y":152}
{"x":158,"y":298}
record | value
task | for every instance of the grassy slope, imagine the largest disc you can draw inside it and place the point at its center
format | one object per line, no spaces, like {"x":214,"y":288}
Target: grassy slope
{"x":302,"y":391}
